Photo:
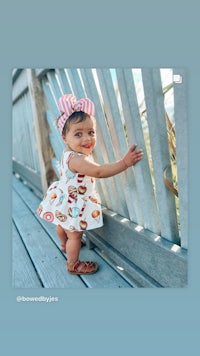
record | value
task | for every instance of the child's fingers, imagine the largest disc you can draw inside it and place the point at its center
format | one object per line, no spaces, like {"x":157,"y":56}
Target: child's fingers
{"x":133,"y":147}
{"x":138,"y":152}
{"x":138,"y":155}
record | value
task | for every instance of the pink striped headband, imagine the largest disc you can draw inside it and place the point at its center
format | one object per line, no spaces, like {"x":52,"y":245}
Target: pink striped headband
{"x":68,"y":105}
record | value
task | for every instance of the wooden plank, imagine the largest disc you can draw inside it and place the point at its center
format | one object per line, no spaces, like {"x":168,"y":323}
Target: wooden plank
{"x":32,"y":178}
{"x":57,"y":147}
{"x":106,"y":277}
{"x":49,"y":262}
{"x":38,"y":106}
{"x":135,"y":134}
{"x":40,"y":72}
{"x":79,"y":92}
{"x":24,"y":133}
{"x":52,"y":78}
{"x":182,"y":146}
{"x":105,"y":151}
{"x":160,"y":260}
{"x":20,"y":85}
{"x":76,"y":84}
{"x":55,"y":132}
{"x":136,"y":277}
{"x":160,"y":152}
{"x":23,"y":272}
{"x":50,"y":97}
{"x":63,"y":80}
{"x":119,"y":142}
{"x":30,"y":133}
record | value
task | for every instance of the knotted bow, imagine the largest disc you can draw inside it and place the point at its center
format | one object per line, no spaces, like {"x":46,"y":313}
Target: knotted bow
{"x":68,"y":105}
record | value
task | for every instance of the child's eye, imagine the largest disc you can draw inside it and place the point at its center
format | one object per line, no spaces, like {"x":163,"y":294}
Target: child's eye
{"x":79,"y":134}
{"x":91,"y":133}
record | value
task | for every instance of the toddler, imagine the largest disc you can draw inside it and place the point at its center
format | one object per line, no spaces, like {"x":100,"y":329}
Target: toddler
{"x":72,"y":203}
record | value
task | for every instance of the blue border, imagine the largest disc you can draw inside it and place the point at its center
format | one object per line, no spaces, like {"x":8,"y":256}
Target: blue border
{"x":110,"y":34}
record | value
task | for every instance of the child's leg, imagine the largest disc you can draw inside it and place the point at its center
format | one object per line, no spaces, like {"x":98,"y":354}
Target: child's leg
{"x":62,"y":236}
{"x":73,"y":246}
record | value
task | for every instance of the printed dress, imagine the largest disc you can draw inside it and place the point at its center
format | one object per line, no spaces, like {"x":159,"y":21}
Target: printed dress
{"x":72,"y":202}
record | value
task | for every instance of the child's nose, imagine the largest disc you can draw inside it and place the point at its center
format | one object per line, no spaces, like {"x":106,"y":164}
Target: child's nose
{"x":87,"y":137}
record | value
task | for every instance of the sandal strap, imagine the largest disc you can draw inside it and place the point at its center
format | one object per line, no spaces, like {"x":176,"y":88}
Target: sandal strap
{"x":82,"y":266}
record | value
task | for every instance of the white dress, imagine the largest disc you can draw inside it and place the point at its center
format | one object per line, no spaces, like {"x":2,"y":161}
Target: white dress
{"x":73,"y":201}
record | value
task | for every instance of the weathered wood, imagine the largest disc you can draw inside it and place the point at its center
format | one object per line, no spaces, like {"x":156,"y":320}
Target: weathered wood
{"x":106,"y":277}
{"x":106,"y":153}
{"x":49,"y":262}
{"x":160,"y":152}
{"x":63,"y":80}
{"x":130,"y":194}
{"x":32,"y":178}
{"x":182,"y":144}
{"x":56,"y":88}
{"x":146,"y":257}
{"x":20,"y":85}
{"x":120,"y":143}
{"x":109,"y":189}
{"x":135,"y":135}
{"x":41,"y":128}
{"x":24,"y":147}
{"x":43,"y":245}
{"x":76,"y":83}
{"x":24,"y":274}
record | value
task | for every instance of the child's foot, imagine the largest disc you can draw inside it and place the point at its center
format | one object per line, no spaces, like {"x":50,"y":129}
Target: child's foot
{"x":80,"y":267}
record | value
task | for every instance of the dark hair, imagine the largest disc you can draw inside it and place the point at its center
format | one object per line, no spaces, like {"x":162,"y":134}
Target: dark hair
{"x":76,"y":117}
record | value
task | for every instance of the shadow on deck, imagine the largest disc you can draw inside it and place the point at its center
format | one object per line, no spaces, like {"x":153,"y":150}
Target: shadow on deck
{"x":38,"y":261}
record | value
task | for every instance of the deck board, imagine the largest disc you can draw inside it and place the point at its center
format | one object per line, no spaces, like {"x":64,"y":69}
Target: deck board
{"x":49,"y":262}
{"x":23,"y":271}
{"x":41,"y":246}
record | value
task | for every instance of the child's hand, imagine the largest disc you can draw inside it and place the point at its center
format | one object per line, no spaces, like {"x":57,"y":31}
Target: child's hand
{"x":133,"y":156}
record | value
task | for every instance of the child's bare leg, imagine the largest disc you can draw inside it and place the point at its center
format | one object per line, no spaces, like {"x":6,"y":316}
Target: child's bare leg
{"x":73,"y":246}
{"x":62,"y":236}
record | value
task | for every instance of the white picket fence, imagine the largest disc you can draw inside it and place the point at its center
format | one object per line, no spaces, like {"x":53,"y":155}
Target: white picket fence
{"x":130,"y":108}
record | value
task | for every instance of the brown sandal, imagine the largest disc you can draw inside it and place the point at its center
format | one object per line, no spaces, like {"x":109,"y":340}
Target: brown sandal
{"x":80,"y":267}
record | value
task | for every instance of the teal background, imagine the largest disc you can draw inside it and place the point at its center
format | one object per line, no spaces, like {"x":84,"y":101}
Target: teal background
{"x":105,"y":34}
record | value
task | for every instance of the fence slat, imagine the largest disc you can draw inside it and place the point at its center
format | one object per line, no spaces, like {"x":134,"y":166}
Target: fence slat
{"x":105,"y":151}
{"x":120,"y":144}
{"x":76,"y":83}
{"x":54,"y":83}
{"x":181,"y":128}
{"x":63,"y":81}
{"x":50,"y":96}
{"x":135,"y":134}
{"x":160,"y":151}
{"x":38,"y":107}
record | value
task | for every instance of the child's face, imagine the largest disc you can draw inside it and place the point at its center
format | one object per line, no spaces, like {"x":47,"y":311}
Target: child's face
{"x":81,"y":137}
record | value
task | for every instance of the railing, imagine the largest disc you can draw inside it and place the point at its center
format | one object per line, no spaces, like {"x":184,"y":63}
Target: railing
{"x":139,"y":194}
{"x":125,"y":114}
{"x":146,"y":215}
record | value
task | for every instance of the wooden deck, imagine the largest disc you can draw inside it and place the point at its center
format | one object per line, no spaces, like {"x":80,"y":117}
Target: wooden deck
{"x":38,"y":261}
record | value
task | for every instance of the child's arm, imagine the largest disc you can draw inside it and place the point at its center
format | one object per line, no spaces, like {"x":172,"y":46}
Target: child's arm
{"x":83,"y":165}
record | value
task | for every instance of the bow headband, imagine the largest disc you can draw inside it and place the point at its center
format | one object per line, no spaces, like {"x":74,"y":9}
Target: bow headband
{"x":68,"y":105}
